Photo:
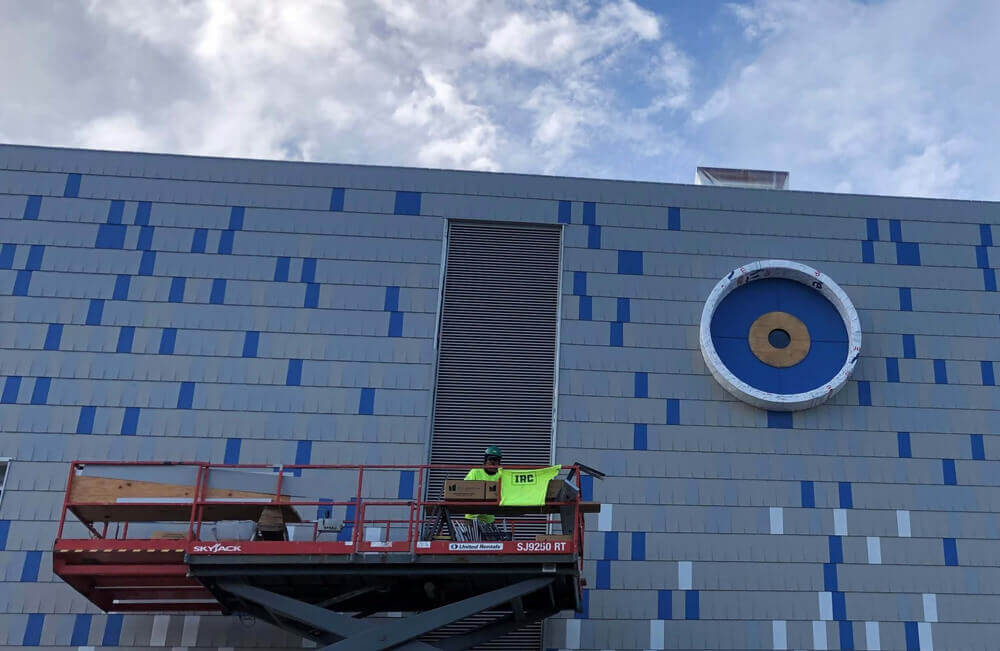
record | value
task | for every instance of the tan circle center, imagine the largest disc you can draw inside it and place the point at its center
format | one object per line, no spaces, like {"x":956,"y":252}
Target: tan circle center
{"x":790,"y":355}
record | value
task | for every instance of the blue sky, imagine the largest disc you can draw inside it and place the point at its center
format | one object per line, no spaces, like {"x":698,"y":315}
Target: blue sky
{"x":885,"y":97}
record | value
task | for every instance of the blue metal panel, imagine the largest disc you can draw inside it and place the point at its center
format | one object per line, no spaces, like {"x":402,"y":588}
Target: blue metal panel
{"x":81,"y":630}
{"x":391,"y":299}
{"x":839,"y":605}
{"x":985,"y":235}
{"x":177,"y":285}
{"x":168,"y":338}
{"x":407,"y":203}
{"x":4,"y":532}
{"x":21,"y":283}
{"x":872,"y":225}
{"x":986,"y":370}
{"x":232,"y":456}
{"x":95,"y":311}
{"x":593,"y":237}
{"x":308,"y":270}
{"x":226,"y":242}
{"x":616,"y":334}
{"x":829,"y":576}
{"x":867,"y":252}
{"x":940,"y":372}
{"x":638,"y":552}
{"x":780,"y":419}
{"x":281,"y":270}
{"x":808,"y":494}
{"x":250,"y":341}
{"x":85,"y":423}
{"x":903,"y":444}
{"x":11,"y":387}
{"x":126,"y":336}
{"x":948,"y":472}
{"x":185,"y":397}
{"x":673,"y":411}
{"x":603,"y":572}
{"x":32,"y":206}
{"x":294,"y":375}
{"x":72,"y":188}
{"x":199,"y":240}
{"x":312,"y":295}
{"x":895,"y":231}
{"x":35,"y":255}
{"x":846,"y":630}
{"x":950,"y":551}
{"x":641,"y":382}
{"x":624,"y":310}
{"x":53,"y":336}
{"x":978,"y":449}
{"x":630,"y":262}
{"x":122,"y":283}
{"x":142,"y":213}
{"x":395,"y":324}
{"x":909,"y":347}
{"x":565,"y":208}
{"x":112,"y":630}
{"x":110,"y":236}
{"x":836,"y":549}
{"x":692,"y":605}
{"x":892,"y":369}
{"x":586,"y":308}
{"x":366,"y":404}
{"x":846,"y":495}
{"x":33,"y":631}
{"x":7,"y":256}
{"x":673,"y":219}
{"x":639,"y":441}
{"x":337,"y":200}
{"x":905,"y":299}
{"x":130,"y":421}
{"x":908,"y":253}
{"x":982,"y":257}
{"x":236,"y":214}
{"x":864,"y":393}
{"x":115,"y":211}
{"x":218,"y":295}
{"x":580,"y":283}
{"x":145,"y":241}
{"x":589,"y":213}
{"x":147,"y":263}
{"x":29,"y":571}
{"x":664,"y":604}
{"x":989,"y":280}
{"x":40,"y":394}
{"x":611,"y":545}
{"x":405,"y":490}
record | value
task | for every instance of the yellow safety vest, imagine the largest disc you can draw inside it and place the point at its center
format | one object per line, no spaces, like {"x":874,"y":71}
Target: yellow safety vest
{"x":478,"y":474}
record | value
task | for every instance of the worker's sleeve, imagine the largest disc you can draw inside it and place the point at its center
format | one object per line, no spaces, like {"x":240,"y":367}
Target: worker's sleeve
{"x":471,"y":474}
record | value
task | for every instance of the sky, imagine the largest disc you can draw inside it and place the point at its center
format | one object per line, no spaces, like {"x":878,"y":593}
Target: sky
{"x":879,"y":97}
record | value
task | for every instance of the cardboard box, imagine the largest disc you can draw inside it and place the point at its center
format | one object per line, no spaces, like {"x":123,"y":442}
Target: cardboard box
{"x":491,"y":491}
{"x":462,"y":490}
{"x":548,"y":537}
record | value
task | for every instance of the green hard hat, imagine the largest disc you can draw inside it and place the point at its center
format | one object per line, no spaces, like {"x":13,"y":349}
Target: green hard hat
{"x":493,"y":451}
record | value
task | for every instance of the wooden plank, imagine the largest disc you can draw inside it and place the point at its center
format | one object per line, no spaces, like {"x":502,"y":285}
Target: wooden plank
{"x":104,"y":490}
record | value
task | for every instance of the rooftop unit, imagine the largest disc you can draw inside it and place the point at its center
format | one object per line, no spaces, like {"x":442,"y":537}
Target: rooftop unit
{"x":734,"y":178}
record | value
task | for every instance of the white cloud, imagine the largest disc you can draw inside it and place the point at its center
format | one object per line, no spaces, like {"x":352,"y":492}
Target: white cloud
{"x":887,"y":98}
{"x":463,"y":83}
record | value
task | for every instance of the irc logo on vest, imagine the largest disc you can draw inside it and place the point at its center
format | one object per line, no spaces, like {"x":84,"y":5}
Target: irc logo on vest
{"x":523,"y":478}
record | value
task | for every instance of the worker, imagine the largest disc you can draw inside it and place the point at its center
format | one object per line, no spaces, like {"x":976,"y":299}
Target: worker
{"x":490,"y":471}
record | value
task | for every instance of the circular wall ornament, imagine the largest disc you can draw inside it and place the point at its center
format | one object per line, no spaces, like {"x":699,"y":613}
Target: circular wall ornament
{"x":780,"y":335}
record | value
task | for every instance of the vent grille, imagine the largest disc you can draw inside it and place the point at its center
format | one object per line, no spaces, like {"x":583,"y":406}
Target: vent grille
{"x":497,"y":361}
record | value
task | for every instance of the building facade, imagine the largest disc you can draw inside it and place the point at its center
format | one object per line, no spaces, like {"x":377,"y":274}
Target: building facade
{"x":181,"y":308}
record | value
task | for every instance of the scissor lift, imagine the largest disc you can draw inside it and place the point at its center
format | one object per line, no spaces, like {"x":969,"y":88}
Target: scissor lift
{"x":326,"y":581}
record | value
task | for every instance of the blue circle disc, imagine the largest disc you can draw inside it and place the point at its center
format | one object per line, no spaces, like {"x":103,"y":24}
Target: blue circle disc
{"x":744,"y":305}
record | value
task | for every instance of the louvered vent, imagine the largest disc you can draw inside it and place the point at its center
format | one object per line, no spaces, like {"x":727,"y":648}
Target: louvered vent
{"x":497,"y":346}
{"x":497,"y":359}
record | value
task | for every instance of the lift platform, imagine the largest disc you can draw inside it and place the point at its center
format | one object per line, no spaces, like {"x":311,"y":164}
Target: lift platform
{"x":318,"y":549}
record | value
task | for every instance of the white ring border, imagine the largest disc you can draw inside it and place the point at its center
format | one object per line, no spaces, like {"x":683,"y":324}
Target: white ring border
{"x":807,"y":276}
